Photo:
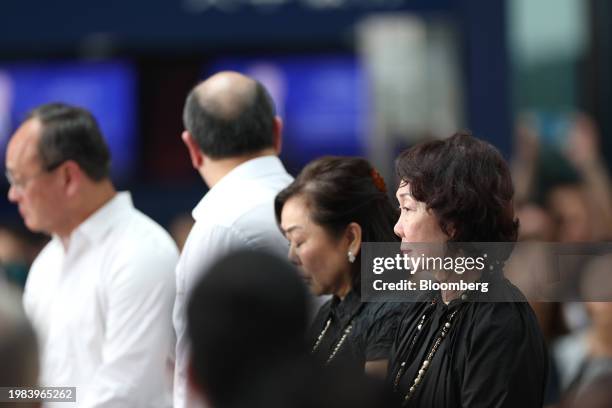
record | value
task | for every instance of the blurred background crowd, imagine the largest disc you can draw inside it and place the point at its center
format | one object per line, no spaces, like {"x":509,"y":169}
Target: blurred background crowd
{"x":349,"y":77}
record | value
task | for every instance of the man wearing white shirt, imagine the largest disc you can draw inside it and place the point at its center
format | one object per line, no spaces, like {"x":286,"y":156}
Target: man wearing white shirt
{"x":100,"y":294}
{"x":233,"y":137}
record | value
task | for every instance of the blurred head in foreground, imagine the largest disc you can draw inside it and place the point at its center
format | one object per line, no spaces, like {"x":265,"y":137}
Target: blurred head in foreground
{"x":247,"y":315}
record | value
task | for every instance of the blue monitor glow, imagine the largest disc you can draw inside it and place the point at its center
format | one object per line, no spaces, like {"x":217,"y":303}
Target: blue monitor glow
{"x":322,"y":99}
{"x":107,"y":89}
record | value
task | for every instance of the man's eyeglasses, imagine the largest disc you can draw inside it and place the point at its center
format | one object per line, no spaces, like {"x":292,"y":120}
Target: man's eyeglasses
{"x":20,"y":184}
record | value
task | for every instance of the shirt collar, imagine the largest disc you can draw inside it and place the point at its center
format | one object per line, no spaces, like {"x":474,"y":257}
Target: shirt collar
{"x":250,"y":170}
{"x":98,"y":223}
{"x":492,"y":278}
{"x":347,"y":307}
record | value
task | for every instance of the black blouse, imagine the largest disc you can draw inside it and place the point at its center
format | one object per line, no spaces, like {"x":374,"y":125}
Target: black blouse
{"x":493,"y":354}
{"x":373,"y":327}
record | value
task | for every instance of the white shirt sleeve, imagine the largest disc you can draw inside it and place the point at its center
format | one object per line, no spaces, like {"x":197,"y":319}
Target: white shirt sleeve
{"x":138,"y":336}
{"x":204,"y":246}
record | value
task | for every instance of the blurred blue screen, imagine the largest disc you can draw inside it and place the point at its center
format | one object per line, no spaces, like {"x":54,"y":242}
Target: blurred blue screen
{"x":322,"y":100}
{"x":107,"y":89}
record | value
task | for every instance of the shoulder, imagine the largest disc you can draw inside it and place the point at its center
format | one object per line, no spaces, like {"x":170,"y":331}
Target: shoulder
{"x":504,"y":325}
{"x":140,"y":233}
{"x":251,"y":219}
{"x":378,"y":329}
{"x":382,"y":320}
{"x":246,"y":222}
{"x":507,"y":316}
{"x":377,"y":311}
{"x":212,"y":237}
{"x":244,"y":202}
{"x":142,"y":247}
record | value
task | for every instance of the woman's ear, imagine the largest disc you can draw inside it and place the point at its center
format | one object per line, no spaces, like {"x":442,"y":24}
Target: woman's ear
{"x":451,"y":231}
{"x":353,"y":235}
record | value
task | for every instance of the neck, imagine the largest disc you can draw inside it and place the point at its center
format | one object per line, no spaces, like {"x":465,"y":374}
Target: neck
{"x":469,"y":276}
{"x":345,"y":288}
{"x":92,"y":199}
{"x":215,"y":169}
{"x":343,"y":293}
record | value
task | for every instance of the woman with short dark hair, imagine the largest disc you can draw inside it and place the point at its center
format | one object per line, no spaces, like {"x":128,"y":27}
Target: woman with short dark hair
{"x":460,"y":349}
{"x":334,"y":205}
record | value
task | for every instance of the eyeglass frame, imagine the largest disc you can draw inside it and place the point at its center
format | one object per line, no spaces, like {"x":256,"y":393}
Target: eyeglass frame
{"x":22,"y":184}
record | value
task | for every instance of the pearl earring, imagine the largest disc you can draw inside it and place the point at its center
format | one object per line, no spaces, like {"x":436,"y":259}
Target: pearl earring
{"x":351,"y":257}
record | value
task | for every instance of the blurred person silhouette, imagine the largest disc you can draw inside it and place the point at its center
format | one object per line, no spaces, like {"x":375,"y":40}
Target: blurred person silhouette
{"x":100,"y":293}
{"x":471,"y":348}
{"x":527,"y":269}
{"x":247,"y":320}
{"x":568,"y":178}
{"x":568,"y":183}
{"x":18,"y":346}
{"x":246,"y":314}
{"x":233,"y":138}
{"x":334,"y":205}
{"x":18,"y":249}
{"x":583,"y":355}
{"x":596,"y":394}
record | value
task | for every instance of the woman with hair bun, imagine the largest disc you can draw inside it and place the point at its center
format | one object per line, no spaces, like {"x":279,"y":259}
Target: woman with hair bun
{"x":334,"y":205}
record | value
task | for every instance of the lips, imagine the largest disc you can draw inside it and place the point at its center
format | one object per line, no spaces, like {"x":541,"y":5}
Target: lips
{"x":305,"y":278}
{"x":405,"y":248}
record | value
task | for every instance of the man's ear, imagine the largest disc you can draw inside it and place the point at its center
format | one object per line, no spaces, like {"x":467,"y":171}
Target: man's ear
{"x":71,"y":177}
{"x":278,"y":134}
{"x":196,"y":155}
{"x":353,"y":235}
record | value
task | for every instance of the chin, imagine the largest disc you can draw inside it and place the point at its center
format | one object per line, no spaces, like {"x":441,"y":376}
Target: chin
{"x":316,"y":291}
{"x":29,"y":225}
{"x":441,"y":276}
{"x":32,"y":226}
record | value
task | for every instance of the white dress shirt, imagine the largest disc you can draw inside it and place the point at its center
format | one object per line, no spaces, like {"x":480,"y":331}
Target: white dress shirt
{"x":102,"y":309}
{"x":238,"y":212}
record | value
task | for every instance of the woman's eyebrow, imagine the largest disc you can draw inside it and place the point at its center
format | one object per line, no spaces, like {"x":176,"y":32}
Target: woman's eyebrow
{"x":291,"y":228}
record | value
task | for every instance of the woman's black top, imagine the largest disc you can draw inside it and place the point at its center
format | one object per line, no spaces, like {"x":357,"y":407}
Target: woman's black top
{"x":492,"y":356}
{"x":370,"y":337}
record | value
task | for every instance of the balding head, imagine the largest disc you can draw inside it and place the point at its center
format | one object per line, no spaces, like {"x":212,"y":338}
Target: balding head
{"x":230,"y":115}
{"x":226,"y":95}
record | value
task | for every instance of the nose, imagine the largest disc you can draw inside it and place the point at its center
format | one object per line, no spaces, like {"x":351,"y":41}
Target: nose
{"x":399,"y":231}
{"x":13,"y":194}
{"x":292,"y":256}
